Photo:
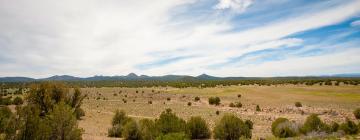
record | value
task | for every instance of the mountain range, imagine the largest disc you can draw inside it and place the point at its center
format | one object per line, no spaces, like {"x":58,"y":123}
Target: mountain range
{"x":133,"y":76}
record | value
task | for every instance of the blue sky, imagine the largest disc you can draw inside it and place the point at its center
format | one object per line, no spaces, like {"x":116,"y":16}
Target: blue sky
{"x":189,"y":37}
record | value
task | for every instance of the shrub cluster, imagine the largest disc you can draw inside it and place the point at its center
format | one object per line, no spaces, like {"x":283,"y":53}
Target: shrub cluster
{"x":8,"y":100}
{"x":214,"y":101}
{"x":236,"y":104}
{"x":298,"y":104}
{"x":284,"y":128}
{"x":170,"y":127}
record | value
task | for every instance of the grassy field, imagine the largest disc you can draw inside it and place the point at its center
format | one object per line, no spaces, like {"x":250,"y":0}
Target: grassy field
{"x":333,"y":103}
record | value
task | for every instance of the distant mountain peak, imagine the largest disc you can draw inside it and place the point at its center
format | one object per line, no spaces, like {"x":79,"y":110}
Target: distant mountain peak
{"x":204,"y":75}
{"x":131,"y":75}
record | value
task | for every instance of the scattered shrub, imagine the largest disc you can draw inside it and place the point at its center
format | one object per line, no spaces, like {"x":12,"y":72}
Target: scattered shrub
{"x":79,"y":112}
{"x":314,"y":123}
{"x":276,"y":123}
{"x":349,"y":127}
{"x":238,"y":104}
{"x":18,"y":101}
{"x":168,"y":98}
{"x":258,"y":108}
{"x":115,"y":94}
{"x":5,"y":101}
{"x":197,"y":98}
{"x":357,"y":113}
{"x":131,"y":131}
{"x":168,"y":122}
{"x":286,"y":129}
{"x":197,"y":128}
{"x":239,"y":95}
{"x":231,"y":127}
{"x":217,"y":112}
{"x":189,"y":103}
{"x":214,"y":101}
{"x":149,"y":102}
{"x":231,"y":105}
{"x":298,"y":104}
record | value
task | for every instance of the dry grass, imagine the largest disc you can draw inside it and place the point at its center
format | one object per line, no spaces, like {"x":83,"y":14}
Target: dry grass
{"x":334,"y":103}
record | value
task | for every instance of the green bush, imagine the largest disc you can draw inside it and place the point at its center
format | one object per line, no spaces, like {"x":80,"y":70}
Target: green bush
{"x":48,"y":114}
{"x":217,"y":112}
{"x":231,"y":105}
{"x":63,"y":124}
{"x":197,"y":98}
{"x":231,"y":127}
{"x":357,"y":113}
{"x":238,"y":104}
{"x":298,"y":104}
{"x":349,"y":127}
{"x":283,"y":128}
{"x":214,"y":101}
{"x":314,"y":123}
{"x":17,"y":101}
{"x":197,"y":128}
{"x":118,"y":122}
{"x":148,"y":129}
{"x":79,"y":112}
{"x":168,"y":122}
{"x":249,"y":124}
{"x":334,"y":127}
{"x":276,"y":123}
{"x":173,"y":136}
{"x":257,"y":108}
{"x":6,"y":101}
{"x":115,"y":131}
{"x":131,"y":131}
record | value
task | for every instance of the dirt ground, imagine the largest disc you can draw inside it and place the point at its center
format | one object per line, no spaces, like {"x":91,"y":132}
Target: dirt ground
{"x":333,"y":103}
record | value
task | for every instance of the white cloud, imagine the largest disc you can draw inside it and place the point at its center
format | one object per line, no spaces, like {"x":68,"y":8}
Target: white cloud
{"x":88,"y":37}
{"x":238,"y":6}
{"x":355,"y":23}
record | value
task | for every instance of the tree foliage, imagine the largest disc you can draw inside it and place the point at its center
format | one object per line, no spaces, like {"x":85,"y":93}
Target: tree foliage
{"x":197,"y":128}
{"x":231,"y":127}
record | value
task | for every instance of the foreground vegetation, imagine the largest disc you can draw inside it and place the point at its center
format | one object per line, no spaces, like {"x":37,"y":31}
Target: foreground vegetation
{"x":49,"y":106}
{"x":51,"y":112}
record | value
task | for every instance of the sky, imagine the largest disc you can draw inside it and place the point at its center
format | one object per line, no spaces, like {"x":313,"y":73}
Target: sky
{"x":41,"y":38}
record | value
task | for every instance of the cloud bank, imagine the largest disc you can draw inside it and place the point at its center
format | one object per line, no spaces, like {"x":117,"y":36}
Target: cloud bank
{"x":41,"y":38}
